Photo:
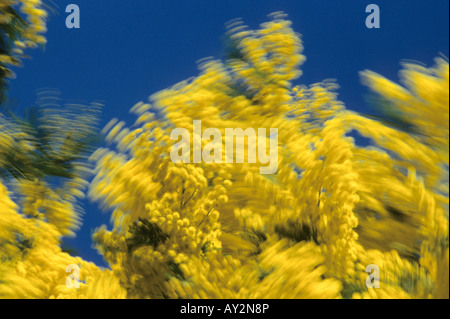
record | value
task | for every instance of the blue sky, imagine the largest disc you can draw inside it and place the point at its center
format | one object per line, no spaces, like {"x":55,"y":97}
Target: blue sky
{"x":127,"y":50}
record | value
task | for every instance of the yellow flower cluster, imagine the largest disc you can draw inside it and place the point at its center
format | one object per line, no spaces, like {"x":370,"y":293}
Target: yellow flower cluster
{"x":276,"y":273}
{"x":32,"y":262}
{"x":211,"y":230}
{"x":310,"y":230}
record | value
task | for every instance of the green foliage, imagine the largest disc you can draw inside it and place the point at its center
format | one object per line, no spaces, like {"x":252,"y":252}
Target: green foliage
{"x":9,"y":32}
{"x":297,"y":232}
{"x":48,"y":141}
{"x":145,"y":233}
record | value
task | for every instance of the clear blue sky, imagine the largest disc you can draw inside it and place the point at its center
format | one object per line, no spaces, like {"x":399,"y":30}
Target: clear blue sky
{"x":126,"y":50}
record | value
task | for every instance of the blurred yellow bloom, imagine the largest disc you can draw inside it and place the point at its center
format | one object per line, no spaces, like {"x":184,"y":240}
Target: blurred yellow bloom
{"x":211,"y":230}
